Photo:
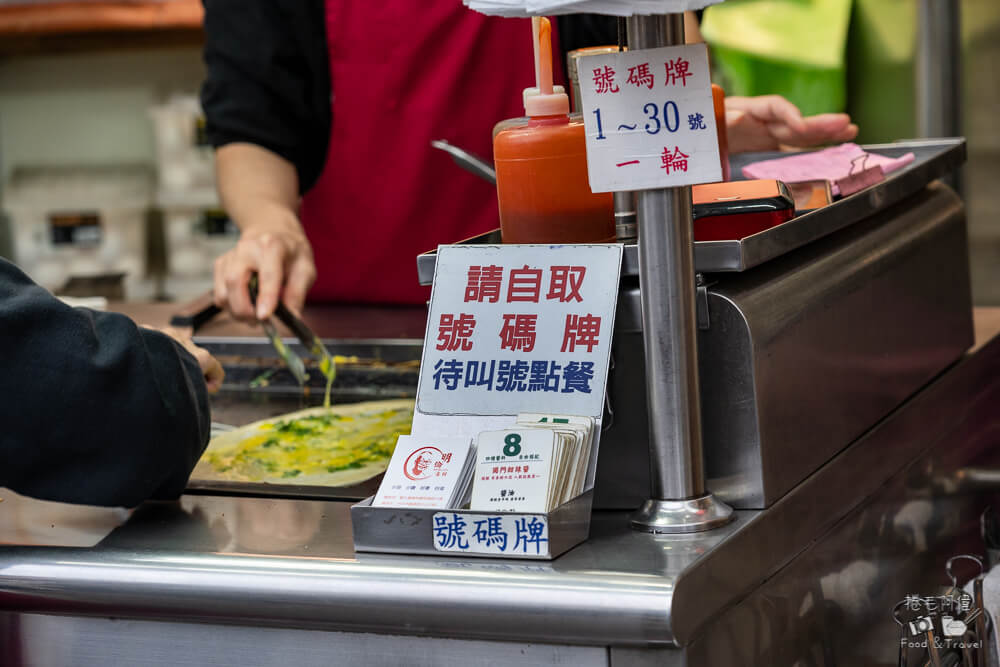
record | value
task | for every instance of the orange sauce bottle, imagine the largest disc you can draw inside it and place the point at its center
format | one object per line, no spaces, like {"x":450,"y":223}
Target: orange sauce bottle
{"x":542,"y":185}
{"x":719,"y":104}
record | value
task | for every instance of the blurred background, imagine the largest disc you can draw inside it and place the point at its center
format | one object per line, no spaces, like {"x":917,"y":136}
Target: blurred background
{"x":106,"y":183}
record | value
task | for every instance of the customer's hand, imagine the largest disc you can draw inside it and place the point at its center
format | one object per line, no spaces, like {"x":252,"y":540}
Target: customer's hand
{"x":211,"y":369}
{"x":768,"y":122}
{"x":277,"y":250}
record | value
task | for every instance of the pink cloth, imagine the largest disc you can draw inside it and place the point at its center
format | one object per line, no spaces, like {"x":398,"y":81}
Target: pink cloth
{"x":830,"y":164}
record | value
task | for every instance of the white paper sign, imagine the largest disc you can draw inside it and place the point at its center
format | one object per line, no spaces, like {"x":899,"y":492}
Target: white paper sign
{"x":517,"y":534}
{"x":649,"y":119}
{"x":519,"y":328}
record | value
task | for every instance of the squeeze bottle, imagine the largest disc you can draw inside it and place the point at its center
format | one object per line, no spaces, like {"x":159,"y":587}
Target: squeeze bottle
{"x":541,"y":166}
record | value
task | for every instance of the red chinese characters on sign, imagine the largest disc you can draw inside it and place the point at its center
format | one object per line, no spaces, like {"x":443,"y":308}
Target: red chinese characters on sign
{"x":604,"y":80}
{"x":582,"y":331}
{"x":565,"y":283}
{"x":484,"y":283}
{"x":678,"y":69}
{"x":455,"y":333}
{"x":525,"y":285}
{"x":676,"y":161}
{"x":518,"y":332}
{"x":640,"y":76}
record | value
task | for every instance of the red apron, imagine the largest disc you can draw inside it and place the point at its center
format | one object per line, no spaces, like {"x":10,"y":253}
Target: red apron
{"x":404,"y":73}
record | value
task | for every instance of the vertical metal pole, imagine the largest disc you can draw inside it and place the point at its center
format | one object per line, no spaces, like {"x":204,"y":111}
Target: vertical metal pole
{"x":938,"y":69}
{"x":939,"y":74}
{"x":679,"y":503}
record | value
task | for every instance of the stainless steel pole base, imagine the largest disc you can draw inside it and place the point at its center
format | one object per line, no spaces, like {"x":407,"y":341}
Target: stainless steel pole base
{"x":681,"y":516}
{"x":670,"y":340}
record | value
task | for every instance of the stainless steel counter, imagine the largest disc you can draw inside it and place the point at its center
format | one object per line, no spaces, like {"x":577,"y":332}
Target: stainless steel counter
{"x":290,"y":563}
{"x":267,"y":572}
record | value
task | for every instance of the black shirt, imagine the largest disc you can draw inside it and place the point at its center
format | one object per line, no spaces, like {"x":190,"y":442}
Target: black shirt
{"x":268,"y":77}
{"x":93,"y":409}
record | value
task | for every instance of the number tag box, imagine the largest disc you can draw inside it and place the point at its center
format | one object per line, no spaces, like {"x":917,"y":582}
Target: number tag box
{"x":649,"y":119}
{"x":471,"y":533}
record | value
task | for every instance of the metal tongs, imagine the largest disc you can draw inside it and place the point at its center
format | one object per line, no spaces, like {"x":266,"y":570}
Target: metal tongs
{"x":467,"y":161}
{"x":305,"y":335}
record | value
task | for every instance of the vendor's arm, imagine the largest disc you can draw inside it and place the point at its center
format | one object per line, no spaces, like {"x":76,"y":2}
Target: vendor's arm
{"x":259,"y":189}
{"x":267,"y":105}
{"x":768,"y":122}
{"x":93,"y":409}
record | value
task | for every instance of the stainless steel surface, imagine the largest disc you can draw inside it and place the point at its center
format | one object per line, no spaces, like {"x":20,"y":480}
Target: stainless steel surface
{"x":805,"y":353}
{"x":933,"y":159}
{"x":467,"y":161}
{"x":626,"y":225}
{"x":56,"y":641}
{"x":410,"y":531}
{"x":832,"y":340}
{"x":287,"y":563}
{"x":831,"y":605}
{"x":667,"y":285}
{"x":938,"y":69}
{"x":645,"y":657}
{"x":681,"y":516}
{"x":811,"y":578}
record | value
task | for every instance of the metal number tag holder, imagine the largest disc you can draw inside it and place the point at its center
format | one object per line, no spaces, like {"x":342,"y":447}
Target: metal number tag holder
{"x":423,"y":531}
{"x":412,"y":531}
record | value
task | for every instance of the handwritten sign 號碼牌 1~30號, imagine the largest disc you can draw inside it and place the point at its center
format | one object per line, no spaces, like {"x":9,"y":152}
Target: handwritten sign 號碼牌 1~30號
{"x":649,"y":119}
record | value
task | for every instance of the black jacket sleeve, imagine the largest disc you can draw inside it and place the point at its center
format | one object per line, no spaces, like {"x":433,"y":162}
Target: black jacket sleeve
{"x":268,"y":79}
{"x":93,"y":409}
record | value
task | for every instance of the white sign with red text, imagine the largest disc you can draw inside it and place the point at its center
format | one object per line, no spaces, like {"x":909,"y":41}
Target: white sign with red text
{"x":649,"y":119}
{"x":519,"y":328}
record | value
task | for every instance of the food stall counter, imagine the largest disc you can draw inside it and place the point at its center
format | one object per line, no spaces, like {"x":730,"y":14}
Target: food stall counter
{"x":268,"y":581}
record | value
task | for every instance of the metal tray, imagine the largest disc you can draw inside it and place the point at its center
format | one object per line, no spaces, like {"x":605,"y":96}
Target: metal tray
{"x":238,"y":403}
{"x":411,"y":531}
{"x":934,"y":158}
{"x":206,"y":487}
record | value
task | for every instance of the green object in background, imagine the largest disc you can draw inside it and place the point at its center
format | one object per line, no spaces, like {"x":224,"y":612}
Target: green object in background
{"x":793,"y":48}
{"x":881,"y":71}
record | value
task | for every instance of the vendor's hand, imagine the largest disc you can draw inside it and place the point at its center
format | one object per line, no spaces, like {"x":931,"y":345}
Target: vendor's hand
{"x":281,"y":256}
{"x":211,"y":369}
{"x":770,"y":121}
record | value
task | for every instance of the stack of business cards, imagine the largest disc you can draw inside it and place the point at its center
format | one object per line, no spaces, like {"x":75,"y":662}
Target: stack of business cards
{"x":535,"y":467}
{"x":577,"y":442}
{"x":428,"y":473}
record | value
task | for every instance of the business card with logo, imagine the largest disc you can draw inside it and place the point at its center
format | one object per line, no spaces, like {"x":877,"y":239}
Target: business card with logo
{"x":427,"y":473}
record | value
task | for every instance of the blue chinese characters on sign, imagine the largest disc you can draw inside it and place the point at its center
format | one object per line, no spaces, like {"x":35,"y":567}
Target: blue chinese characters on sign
{"x":496,"y":534}
{"x":514,"y":376}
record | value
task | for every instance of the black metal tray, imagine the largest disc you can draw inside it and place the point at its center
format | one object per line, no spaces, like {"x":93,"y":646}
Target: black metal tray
{"x":934,"y":158}
{"x":394,"y":375}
